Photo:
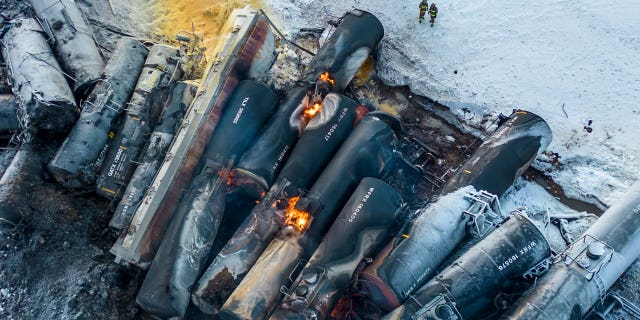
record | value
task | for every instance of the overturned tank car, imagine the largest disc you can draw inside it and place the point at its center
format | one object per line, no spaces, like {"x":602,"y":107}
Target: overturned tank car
{"x":412,"y":257}
{"x":321,"y":139}
{"x":186,"y":244}
{"x":367,"y":152}
{"x":581,"y":275}
{"x":360,"y":227}
{"x":468,"y":287}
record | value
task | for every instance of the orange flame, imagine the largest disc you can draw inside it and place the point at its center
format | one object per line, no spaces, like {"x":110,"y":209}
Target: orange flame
{"x":327,"y":78}
{"x":229,"y":177}
{"x":311,"y":111}
{"x":296,"y":218}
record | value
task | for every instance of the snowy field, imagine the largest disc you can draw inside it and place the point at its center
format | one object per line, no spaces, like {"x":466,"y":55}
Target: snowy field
{"x":574,"y":63}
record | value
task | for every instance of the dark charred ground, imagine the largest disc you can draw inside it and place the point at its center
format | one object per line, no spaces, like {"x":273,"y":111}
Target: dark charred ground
{"x":57,"y":265}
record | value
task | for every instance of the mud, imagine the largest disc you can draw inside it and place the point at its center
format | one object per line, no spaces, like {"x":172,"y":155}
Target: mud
{"x":556,"y":190}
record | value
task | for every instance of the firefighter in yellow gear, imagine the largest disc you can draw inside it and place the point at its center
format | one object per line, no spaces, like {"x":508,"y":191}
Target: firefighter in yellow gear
{"x":433,"y":12}
{"x":423,"y":9}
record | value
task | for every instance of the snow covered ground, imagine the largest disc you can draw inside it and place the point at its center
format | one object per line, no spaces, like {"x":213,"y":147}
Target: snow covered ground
{"x":574,"y":63}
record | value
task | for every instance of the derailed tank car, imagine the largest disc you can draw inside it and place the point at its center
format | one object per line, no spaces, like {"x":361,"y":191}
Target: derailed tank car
{"x":583,"y":273}
{"x":467,"y":288}
{"x":367,"y":152}
{"x":360,"y":227}
{"x":355,"y":38}
{"x":181,"y":96}
{"x":255,"y":171}
{"x":397,"y":271}
{"x":79,"y":158}
{"x":36,"y":78}
{"x":162,"y":69}
{"x":186,"y":245}
{"x":73,"y":42}
{"x":247,"y":52}
{"x":321,"y":139}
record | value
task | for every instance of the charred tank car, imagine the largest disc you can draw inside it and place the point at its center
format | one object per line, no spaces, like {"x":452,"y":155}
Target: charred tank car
{"x":162,"y":69}
{"x":73,"y":41}
{"x":186,"y":244}
{"x":181,"y":96}
{"x":367,"y":152}
{"x":346,"y":50}
{"x":360,"y":227}
{"x":321,"y":139}
{"x":79,"y":158}
{"x":37,"y":80}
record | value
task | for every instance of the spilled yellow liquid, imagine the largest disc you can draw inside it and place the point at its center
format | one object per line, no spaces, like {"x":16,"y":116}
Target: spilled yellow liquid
{"x":206,"y":17}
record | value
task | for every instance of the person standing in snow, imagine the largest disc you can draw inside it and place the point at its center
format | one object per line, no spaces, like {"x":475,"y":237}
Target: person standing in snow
{"x":433,"y":12}
{"x":423,"y":9}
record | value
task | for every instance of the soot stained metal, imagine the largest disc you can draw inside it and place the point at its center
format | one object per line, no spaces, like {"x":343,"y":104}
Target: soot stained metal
{"x":186,"y":245}
{"x":360,"y":227}
{"x":581,"y":275}
{"x":9,"y":114}
{"x":161,"y":70}
{"x":367,"y":152}
{"x":320,"y":140}
{"x":80,"y":157}
{"x":24,"y":173}
{"x":412,"y":257}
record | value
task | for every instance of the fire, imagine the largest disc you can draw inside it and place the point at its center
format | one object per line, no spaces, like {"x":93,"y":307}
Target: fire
{"x":296,"y":218}
{"x":311,"y":111}
{"x":327,"y":78}
{"x":229,"y":176}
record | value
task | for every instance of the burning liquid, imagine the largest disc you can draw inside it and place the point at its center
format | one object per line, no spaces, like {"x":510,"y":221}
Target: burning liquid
{"x":296,"y":218}
{"x":229,"y":176}
{"x":327,"y":78}
{"x":311,"y":111}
